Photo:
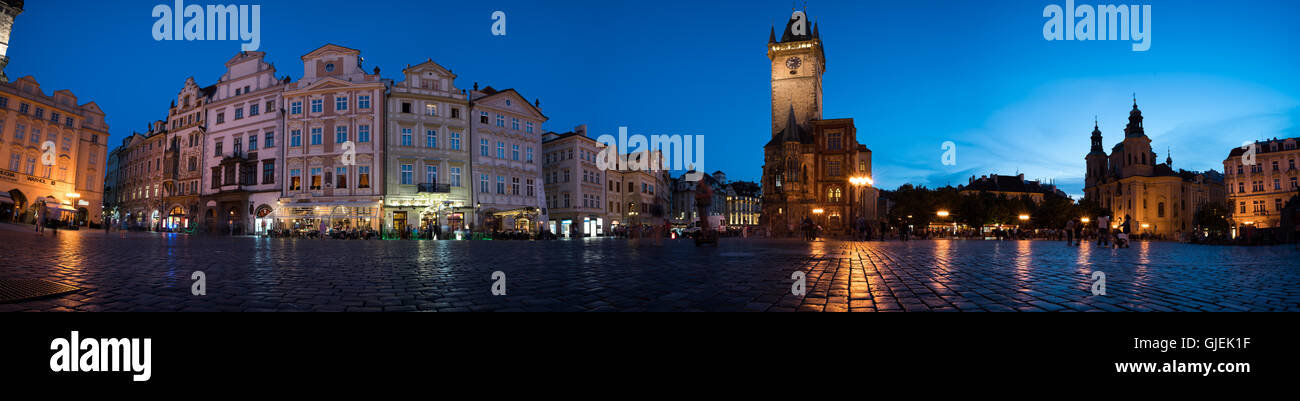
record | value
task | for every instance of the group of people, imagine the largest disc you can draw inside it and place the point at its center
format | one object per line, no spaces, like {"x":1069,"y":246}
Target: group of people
{"x":1106,"y":236}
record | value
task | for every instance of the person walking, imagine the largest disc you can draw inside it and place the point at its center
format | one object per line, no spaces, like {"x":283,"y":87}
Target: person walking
{"x":40,"y":221}
{"x":1103,"y":230}
{"x":1069,"y":233}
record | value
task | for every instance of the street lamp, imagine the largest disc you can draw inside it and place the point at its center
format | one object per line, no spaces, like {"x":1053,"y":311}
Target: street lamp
{"x":1084,"y":220}
{"x":943,"y":213}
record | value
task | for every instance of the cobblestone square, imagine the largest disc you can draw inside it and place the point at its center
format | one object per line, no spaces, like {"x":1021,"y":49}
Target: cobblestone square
{"x":151,"y":272}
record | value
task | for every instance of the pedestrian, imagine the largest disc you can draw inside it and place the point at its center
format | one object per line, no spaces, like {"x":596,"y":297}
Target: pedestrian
{"x":1103,"y":230}
{"x":40,"y":221}
{"x":1069,"y":233}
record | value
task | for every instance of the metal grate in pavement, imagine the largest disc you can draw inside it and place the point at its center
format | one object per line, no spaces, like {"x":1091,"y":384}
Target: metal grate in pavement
{"x":23,"y":290}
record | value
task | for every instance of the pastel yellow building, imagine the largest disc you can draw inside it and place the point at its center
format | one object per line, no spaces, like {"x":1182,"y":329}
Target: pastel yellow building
{"x":1257,"y":191}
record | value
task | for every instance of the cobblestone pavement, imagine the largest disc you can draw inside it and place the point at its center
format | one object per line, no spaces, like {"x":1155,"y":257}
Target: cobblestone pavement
{"x":151,"y":272}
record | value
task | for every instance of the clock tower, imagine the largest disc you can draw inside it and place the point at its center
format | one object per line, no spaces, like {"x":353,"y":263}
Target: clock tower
{"x":797,"y":67}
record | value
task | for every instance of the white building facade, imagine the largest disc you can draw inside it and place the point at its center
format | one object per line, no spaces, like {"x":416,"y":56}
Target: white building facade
{"x":243,"y":148}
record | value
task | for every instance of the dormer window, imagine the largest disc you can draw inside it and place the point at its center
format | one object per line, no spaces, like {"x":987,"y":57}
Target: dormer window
{"x":329,"y":67}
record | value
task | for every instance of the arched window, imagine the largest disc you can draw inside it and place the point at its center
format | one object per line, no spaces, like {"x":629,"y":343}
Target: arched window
{"x":791,"y":170}
{"x":834,"y":195}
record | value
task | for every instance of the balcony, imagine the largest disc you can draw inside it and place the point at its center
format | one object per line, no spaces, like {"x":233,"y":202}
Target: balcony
{"x":433,"y":188}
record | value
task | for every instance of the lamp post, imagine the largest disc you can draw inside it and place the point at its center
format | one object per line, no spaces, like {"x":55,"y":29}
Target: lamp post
{"x":859,"y":184}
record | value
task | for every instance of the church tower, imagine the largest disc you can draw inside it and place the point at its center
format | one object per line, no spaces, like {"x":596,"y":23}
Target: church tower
{"x":1137,"y":157}
{"x":1096,"y":160}
{"x":797,"y":67}
{"x":9,"y":9}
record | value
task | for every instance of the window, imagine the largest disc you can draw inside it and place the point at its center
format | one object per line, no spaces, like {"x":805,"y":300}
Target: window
{"x":514,"y":185}
{"x":40,"y":113}
{"x":483,"y":183}
{"x":268,"y":172}
{"x":530,"y":154}
{"x":317,"y":105}
{"x":340,"y":103}
{"x":529,"y":127}
{"x":482,"y":116}
{"x":341,"y":134}
{"x":252,"y":110}
{"x":315,"y":178}
{"x":501,"y":150}
{"x":566,"y":199}
{"x":363,"y":101}
{"x":239,"y":113}
{"x":514,"y":152}
{"x":67,"y":122}
{"x":501,"y":184}
{"x":221,"y":117}
{"x":406,"y":137}
{"x":455,"y":176}
{"x":216,"y":150}
{"x":431,"y":174}
{"x":406,"y":107}
{"x":316,"y":136}
{"x":270,"y":139}
{"x":363,"y":133}
{"x":431,"y":138}
{"x":295,"y":138}
{"x":514,"y":123}
{"x":407,"y":172}
{"x":295,"y":179}
{"x":501,"y":121}
{"x":833,"y":168}
{"x":252,"y":142}
{"x":363,"y":176}
{"x":270,"y":106}
{"x":530,"y":187}
{"x":341,"y":177}
{"x":455,"y":113}
{"x":1160,"y":209}
{"x":294,"y":108}
{"x":455,"y":140}
{"x":431,"y":110}
{"x":483,"y":147}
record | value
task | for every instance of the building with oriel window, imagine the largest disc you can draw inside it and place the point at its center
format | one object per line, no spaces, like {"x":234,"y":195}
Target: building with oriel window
{"x":333,"y":162}
{"x":427,"y":153}
{"x":814,"y":168}
{"x":243,"y":156}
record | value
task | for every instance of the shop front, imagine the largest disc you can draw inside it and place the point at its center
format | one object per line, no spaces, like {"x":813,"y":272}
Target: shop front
{"x":316,"y":218}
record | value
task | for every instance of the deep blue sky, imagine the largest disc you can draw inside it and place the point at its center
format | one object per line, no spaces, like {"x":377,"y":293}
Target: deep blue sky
{"x":912,"y":74}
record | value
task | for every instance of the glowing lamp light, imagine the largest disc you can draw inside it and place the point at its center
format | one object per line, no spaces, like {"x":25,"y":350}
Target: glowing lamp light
{"x":1145,"y":225}
{"x":943,"y":213}
{"x":1085,"y":220}
{"x":1024,"y":217}
{"x":818,"y":211}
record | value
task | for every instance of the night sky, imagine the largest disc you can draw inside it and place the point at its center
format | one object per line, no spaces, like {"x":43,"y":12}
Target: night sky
{"x":912,"y":74}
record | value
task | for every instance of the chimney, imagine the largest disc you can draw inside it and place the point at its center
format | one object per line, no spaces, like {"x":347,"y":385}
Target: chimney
{"x":581,"y":129}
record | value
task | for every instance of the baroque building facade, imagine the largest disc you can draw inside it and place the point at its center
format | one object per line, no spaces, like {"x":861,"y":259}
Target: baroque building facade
{"x":242,"y":159}
{"x":334,"y":155}
{"x":53,"y":148}
{"x":1153,"y":197}
{"x":1259,"y":189}
{"x":814,"y":168}
{"x":427,"y":152}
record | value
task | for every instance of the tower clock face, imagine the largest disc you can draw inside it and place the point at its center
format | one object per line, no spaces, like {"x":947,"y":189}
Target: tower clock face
{"x":793,"y":62}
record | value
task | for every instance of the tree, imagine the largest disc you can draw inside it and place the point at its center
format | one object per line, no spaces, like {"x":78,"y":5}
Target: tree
{"x":1213,"y":217}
